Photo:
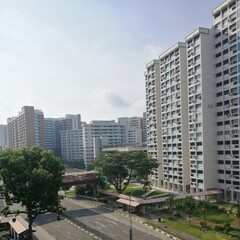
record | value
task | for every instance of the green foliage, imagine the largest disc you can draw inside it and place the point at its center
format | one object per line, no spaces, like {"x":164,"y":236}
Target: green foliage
{"x":227,"y":228}
{"x":189,"y":206}
{"x":203,"y":205}
{"x":170,"y":202}
{"x":32,"y":178}
{"x":119,"y":166}
{"x":85,"y":189}
{"x":75,"y":164}
{"x":103,"y":181}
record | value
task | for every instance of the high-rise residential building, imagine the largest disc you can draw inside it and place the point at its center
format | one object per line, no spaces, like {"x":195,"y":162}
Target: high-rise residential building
{"x":132,"y":129}
{"x":173,"y":139}
{"x":64,"y":137}
{"x":153,"y":116}
{"x":26,"y":129}
{"x":144,"y":128}
{"x":72,"y":138}
{"x":3,"y":136}
{"x":72,"y":145}
{"x":192,"y":99}
{"x":52,"y":128}
{"x":227,"y":60}
{"x":108,"y":132}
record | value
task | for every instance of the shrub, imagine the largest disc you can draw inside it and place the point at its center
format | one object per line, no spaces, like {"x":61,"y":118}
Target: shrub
{"x":218,"y":228}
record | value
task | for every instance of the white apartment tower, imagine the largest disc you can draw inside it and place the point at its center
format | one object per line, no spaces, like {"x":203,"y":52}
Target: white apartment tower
{"x":99,"y":133}
{"x":227,"y":46}
{"x":192,"y":108}
{"x":153,"y":117}
{"x":71,"y":138}
{"x":201,"y":109}
{"x":173,"y":140}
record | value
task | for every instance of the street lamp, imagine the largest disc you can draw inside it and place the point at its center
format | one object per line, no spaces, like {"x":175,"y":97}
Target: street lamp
{"x":130,"y":214}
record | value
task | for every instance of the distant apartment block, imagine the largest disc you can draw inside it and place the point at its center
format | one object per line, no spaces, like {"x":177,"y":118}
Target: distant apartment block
{"x":133,"y":129}
{"x":26,"y":129}
{"x":192,"y":108}
{"x":3,"y":136}
{"x":72,"y":138}
{"x":96,"y":134}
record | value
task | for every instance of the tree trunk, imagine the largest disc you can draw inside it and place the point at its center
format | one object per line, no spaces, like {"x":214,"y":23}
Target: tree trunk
{"x":30,"y":223}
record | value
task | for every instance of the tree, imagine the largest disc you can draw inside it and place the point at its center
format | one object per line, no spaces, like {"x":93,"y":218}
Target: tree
{"x":119,"y":166}
{"x":32,"y":178}
{"x":203,"y":205}
{"x":237,"y":205}
{"x":189,"y":206}
{"x":170,"y":202}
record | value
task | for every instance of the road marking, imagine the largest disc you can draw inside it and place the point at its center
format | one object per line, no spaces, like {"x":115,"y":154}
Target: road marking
{"x":68,"y":232}
{"x":113,"y":234}
{"x":112,"y":222}
{"x":100,"y":224}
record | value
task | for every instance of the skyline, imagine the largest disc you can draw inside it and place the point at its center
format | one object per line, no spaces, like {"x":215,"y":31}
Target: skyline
{"x":88,"y":57}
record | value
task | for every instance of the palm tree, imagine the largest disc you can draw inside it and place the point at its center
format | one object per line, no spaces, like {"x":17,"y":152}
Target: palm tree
{"x":203,"y":205}
{"x":189,"y":205}
{"x":238,"y":210}
{"x":170,"y":202}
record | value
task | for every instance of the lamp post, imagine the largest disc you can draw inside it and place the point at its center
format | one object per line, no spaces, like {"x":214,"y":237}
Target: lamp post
{"x":130,"y":214}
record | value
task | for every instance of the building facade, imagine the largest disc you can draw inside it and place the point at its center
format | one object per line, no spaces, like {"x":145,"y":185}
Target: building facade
{"x":192,"y":108}
{"x":3,"y":136}
{"x":132,"y":129}
{"x":96,"y":135}
{"x":26,"y":129}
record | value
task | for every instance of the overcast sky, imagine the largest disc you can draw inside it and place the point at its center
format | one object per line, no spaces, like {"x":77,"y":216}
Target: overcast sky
{"x":87,"y":56}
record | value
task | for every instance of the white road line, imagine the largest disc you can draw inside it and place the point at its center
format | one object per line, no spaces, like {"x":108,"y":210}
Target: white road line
{"x":100,"y":224}
{"x":112,"y":222}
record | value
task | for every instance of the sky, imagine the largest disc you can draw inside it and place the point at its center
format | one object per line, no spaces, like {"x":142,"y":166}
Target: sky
{"x":87,"y":56}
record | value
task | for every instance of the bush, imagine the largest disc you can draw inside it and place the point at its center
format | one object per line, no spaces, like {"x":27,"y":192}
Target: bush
{"x":86,"y":189}
{"x":218,"y":228}
{"x":171,"y":218}
{"x":227,"y":227}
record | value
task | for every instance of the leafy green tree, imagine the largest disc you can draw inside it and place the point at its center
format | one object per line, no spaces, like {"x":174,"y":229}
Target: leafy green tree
{"x":237,"y":205}
{"x":85,"y":189}
{"x":32,"y":178}
{"x":189,"y":206}
{"x":119,"y":166}
{"x":170,"y":202}
{"x":203,"y":205}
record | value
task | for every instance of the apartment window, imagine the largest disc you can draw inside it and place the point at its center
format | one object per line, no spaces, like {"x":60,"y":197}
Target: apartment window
{"x":218,"y":55}
{"x":218,"y":35}
{"x":217,"y":15}
{"x":218,"y":45}
{"x":219,"y":74}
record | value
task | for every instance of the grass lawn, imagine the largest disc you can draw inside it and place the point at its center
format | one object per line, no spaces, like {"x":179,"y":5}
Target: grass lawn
{"x":138,"y":190}
{"x":71,"y":194}
{"x":195,"y":231}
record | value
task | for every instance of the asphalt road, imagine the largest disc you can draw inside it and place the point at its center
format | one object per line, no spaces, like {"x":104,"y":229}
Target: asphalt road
{"x":110,"y":224}
{"x":61,"y":230}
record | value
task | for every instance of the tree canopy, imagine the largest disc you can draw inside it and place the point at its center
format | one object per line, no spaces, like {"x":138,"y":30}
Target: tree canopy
{"x":120,"y":166}
{"x":31,"y":177}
